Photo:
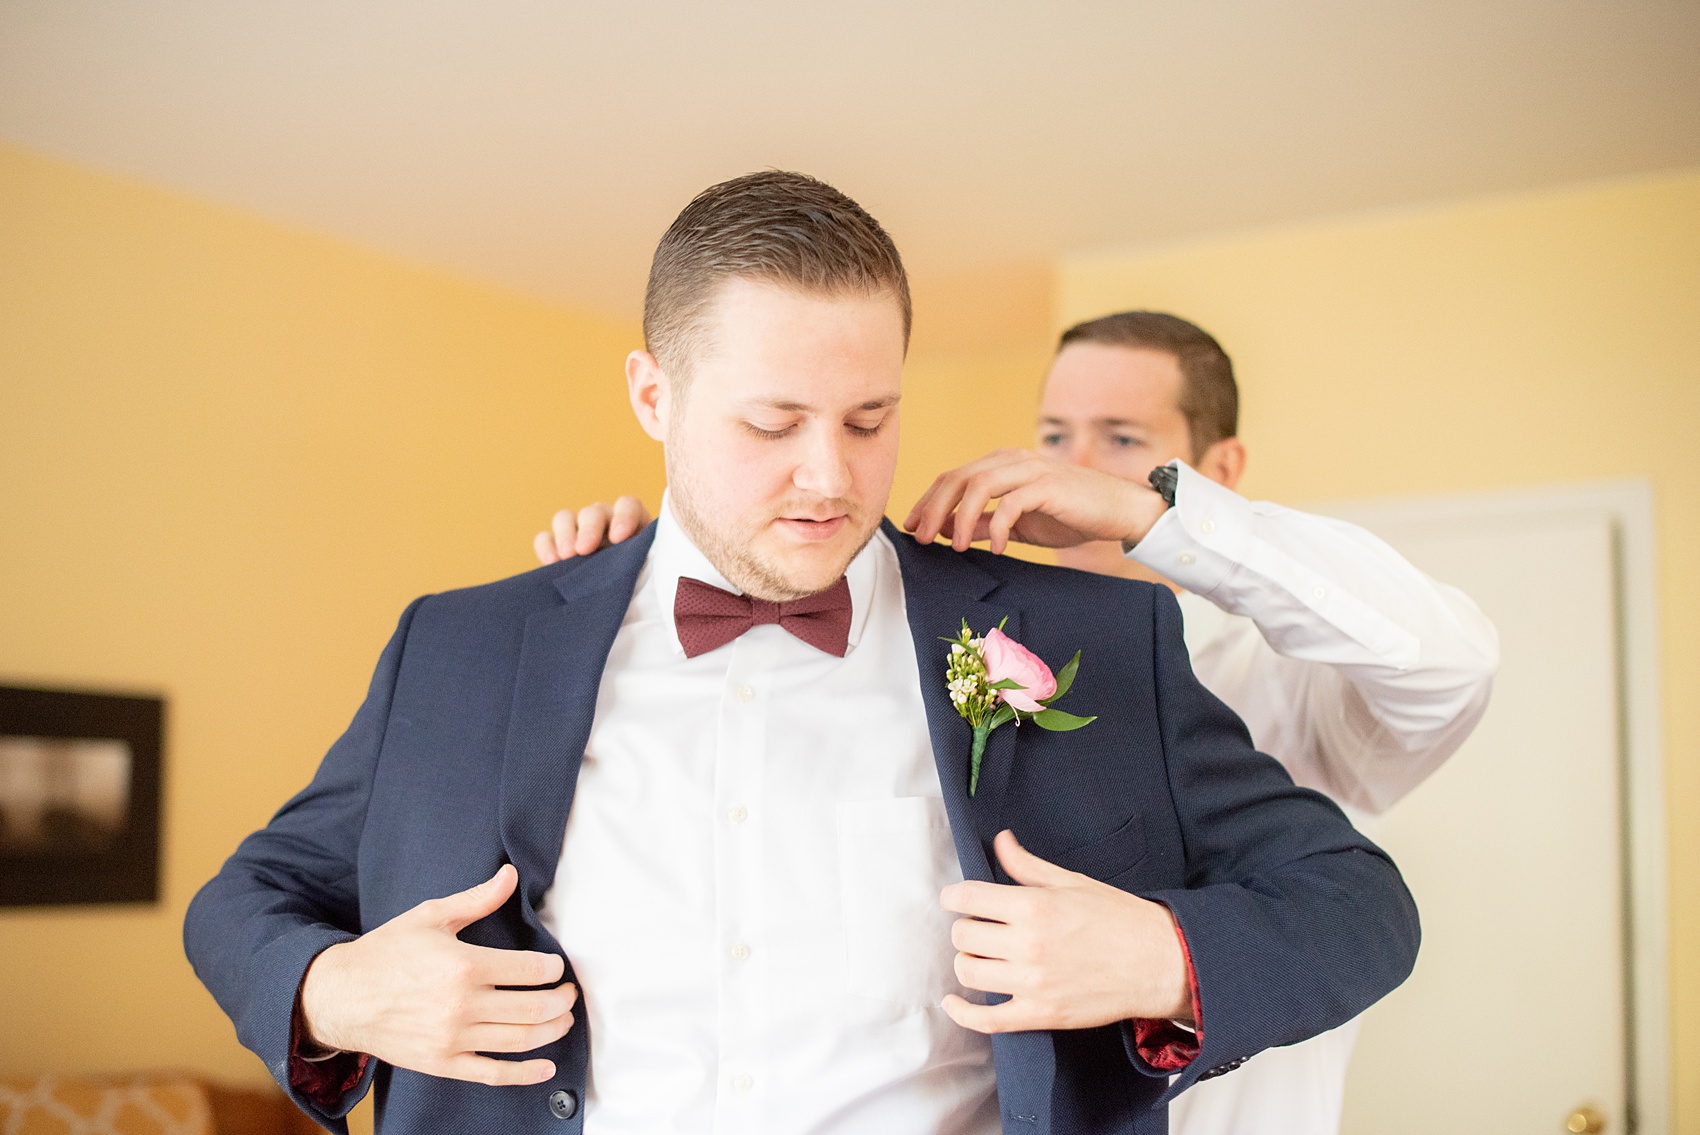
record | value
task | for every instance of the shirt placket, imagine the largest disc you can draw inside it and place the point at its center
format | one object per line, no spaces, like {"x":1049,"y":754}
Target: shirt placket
{"x":740,"y":909}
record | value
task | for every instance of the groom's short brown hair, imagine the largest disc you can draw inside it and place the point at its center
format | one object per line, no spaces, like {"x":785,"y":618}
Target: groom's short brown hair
{"x":778,"y":227}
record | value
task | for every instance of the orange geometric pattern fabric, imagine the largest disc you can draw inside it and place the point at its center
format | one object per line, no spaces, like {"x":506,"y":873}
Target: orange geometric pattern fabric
{"x":53,"y":1105}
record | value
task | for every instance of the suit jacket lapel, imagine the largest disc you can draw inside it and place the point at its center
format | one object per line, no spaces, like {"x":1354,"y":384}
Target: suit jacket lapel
{"x":942,"y":588}
{"x":560,"y":671}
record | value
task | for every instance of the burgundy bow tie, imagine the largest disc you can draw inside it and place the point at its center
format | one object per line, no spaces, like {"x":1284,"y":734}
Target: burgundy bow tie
{"x":708,"y":618}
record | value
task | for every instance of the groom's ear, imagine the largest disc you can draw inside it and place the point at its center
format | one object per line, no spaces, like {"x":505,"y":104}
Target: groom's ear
{"x":649,"y":391}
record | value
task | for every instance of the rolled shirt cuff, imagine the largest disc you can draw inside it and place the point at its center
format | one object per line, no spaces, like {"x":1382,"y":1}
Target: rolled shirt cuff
{"x":323,"y":1076}
{"x":1167,"y":1045}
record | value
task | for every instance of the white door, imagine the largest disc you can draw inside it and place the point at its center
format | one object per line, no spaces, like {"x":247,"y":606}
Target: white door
{"x":1515,"y":1018}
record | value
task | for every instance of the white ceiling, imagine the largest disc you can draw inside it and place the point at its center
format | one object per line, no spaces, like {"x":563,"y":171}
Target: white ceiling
{"x":545,"y":144}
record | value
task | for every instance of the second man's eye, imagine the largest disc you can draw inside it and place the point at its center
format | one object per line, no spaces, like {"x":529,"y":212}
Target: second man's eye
{"x":769,"y":435}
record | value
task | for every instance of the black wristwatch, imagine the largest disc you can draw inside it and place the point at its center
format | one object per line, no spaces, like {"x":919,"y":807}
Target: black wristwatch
{"x":1164,"y":478}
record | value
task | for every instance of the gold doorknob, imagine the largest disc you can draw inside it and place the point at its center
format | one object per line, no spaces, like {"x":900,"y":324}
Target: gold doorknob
{"x":1585,"y":1121}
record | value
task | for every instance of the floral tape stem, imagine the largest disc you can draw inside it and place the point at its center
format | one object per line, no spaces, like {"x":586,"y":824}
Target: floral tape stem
{"x":981,"y":732}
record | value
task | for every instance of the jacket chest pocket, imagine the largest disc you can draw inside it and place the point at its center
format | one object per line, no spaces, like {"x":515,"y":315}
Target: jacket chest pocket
{"x":894,"y":856}
{"x":1110,"y":858}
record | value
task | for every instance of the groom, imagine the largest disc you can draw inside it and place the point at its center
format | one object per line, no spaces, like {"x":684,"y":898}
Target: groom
{"x":714,"y":779}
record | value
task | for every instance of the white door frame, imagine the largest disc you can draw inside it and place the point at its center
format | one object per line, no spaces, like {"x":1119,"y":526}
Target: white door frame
{"x":1629,"y":506}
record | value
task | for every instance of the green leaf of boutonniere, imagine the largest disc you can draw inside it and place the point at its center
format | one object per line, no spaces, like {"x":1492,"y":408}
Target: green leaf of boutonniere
{"x":1005,"y":684}
{"x":1004,"y":715}
{"x":1065,"y":679}
{"x":1058,"y":721}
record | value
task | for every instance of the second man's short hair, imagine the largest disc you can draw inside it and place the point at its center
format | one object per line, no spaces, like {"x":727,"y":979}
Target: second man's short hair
{"x":1209,"y":399}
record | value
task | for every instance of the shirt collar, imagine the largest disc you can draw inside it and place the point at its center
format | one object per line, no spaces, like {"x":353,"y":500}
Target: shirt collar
{"x":675,"y":554}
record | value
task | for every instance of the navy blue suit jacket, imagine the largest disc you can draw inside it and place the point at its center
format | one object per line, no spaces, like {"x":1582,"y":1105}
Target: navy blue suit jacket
{"x":466,"y":751}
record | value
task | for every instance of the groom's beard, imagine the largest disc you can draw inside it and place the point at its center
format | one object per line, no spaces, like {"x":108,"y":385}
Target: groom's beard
{"x":746,"y":557}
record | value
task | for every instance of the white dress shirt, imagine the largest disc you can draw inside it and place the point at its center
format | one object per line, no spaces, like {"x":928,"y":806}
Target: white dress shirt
{"x":1356,"y":671}
{"x":748,"y":886}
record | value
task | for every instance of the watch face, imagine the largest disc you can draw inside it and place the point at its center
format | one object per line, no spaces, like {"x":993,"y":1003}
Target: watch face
{"x":1163,"y":479}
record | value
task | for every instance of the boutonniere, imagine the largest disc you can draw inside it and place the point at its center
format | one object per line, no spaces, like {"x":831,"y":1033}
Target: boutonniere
{"x":995,"y":680}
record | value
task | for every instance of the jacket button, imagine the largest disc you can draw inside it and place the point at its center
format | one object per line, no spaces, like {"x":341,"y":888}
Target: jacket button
{"x":563,"y":1105}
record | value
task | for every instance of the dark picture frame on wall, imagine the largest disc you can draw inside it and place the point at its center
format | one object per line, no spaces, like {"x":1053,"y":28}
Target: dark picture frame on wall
{"x":80,"y":790}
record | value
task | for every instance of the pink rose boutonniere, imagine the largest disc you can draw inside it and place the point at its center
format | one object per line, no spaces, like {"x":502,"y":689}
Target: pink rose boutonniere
{"x":995,"y":680}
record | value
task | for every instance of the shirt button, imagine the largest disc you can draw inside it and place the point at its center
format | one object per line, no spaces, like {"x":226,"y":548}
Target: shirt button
{"x":1320,"y":593}
{"x":737,"y":813}
{"x":740,"y":952}
{"x":1187,"y":558}
{"x":1207,"y":527}
{"x":745,"y":693}
{"x":563,"y":1105}
{"x":743,"y":1082}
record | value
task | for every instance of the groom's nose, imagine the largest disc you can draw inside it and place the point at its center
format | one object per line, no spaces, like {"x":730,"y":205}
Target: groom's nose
{"x":824,"y":470}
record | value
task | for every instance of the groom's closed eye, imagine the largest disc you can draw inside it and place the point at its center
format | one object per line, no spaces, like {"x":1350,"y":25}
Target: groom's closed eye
{"x":866,"y":428}
{"x":859,"y":429}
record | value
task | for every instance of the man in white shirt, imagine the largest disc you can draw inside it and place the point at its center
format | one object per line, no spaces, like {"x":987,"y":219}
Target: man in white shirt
{"x":1354,"y":669}
{"x":716,"y":779}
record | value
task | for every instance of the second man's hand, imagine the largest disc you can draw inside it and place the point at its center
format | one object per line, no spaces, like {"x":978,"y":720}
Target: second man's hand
{"x":582,"y":531}
{"x":1041,"y":501}
{"x":415,"y":996}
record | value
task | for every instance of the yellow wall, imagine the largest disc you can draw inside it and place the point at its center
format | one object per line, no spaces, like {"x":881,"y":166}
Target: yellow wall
{"x":1541,"y":338}
{"x":229,"y":454}
{"x":981,"y":345}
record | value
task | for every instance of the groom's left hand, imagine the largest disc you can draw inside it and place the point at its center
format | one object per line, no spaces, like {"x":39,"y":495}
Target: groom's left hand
{"x":1071,"y":952}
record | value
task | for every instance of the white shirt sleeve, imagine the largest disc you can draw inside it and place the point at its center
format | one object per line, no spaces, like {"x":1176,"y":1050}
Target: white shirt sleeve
{"x":1413,"y":659}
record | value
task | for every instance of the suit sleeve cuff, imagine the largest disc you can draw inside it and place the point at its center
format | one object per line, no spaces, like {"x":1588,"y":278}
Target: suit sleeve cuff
{"x":323,"y":1076}
{"x":1169,"y":1046}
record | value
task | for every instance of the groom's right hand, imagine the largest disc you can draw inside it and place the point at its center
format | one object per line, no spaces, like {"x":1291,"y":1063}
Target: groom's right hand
{"x":414,"y":995}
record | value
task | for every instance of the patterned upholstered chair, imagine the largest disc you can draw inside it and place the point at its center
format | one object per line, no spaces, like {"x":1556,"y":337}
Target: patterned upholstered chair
{"x":144,"y":1105}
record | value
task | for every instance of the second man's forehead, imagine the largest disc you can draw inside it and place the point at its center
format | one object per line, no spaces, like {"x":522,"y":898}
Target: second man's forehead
{"x":1093,"y":423}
